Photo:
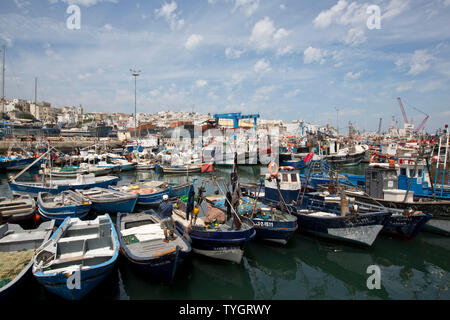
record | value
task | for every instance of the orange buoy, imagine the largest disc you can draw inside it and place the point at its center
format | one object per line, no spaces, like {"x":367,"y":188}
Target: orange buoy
{"x":37,"y":218}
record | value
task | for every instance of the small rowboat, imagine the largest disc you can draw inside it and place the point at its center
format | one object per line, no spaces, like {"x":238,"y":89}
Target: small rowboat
{"x":109,"y":200}
{"x":190,"y":168}
{"x":57,"y":186}
{"x":17,"y":247}
{"x":17,"y":209}
{"x":79,"y":256}
{"x":149,"y":193}
{"x":141,"y":241}
{"x":61,"y":206}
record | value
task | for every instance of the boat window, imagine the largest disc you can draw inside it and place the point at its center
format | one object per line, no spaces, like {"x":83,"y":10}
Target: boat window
{"x":285,"y":177}
{"x":420,"y":173}
{"x":403,"y":171}
{"x":293,"y":177}
{"x":411,"y":173}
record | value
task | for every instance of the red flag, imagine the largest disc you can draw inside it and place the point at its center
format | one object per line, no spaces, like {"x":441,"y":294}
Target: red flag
{"x":207,"y":167}
{"x":308,"y":157}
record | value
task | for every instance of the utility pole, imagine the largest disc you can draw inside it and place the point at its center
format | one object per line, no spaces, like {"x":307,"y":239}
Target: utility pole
{"x":135,"y":74}
{"x":35,"y":97}
{"x":337,"y":119}
{"x":3,"y":88}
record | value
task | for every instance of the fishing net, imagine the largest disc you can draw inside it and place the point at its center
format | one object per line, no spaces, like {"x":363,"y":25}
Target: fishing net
{"x":12,"y":263}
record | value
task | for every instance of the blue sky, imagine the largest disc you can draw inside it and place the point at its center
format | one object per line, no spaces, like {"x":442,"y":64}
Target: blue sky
{"x":287,"y":59}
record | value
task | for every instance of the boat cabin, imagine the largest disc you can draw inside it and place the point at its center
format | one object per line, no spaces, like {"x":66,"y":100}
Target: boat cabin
{"x":290,"y":185}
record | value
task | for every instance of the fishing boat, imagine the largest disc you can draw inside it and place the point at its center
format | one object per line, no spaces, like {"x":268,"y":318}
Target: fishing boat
{"x":270,"y":224}
{"x":360,"y":229}
{"x":83,"y":168}
{"x":67,"y":204}
{"x":17,"y":248}
{"x":179,"y":190}
{"x":18,"y":209}
{"x":141,"y":242}
{"x":78,"y":256}
{"x":149,"y":193}
{"x":402,"y":223}
{"x":211,"y":236}
{"x":183,"y":169}
{"x":16,"y":162}
{"x":57,"y":186}
{"x":109,"y":200}
{"x":145,"y":165}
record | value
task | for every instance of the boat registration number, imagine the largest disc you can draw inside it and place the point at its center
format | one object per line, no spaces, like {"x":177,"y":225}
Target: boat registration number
{"x":264,"y":224}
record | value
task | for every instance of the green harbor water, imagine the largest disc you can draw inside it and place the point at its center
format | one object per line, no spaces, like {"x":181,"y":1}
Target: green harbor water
{"x":306,"y":268}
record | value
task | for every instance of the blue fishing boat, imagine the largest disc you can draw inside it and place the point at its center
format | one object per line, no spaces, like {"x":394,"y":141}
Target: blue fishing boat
{"x":58,"y":186}
{"x":17,"y":247}
{"x":67,"y":204}
{"x":179,"y":190}
{"x":402,"y":223}
{"x":16,"y":162}
{"x":79,"y":256}
{"x":211,"y":236}
{"x":149,"y":193}
{"x":109,"y":200}
{"x":270,"y":224}
{"x":141,"y":242}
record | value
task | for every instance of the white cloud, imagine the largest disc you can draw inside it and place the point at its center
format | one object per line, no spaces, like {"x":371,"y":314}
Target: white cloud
{"x":282,"y":6}
{"x":292,"y":94}
{"x":314,"y":55}
{"x":247,"y":6}
{"x":265,"y":35}
{"x":201,"y":83}
{"x":263,"y":93}
{"x":167,"y":11}
{"x":233,"y":53}
{"x":86,"y":3}
{"x":352,"y":76}
{"x":108,"y":27}
{"x":285,"y":51}
{"x":327,"y":17}
{"x":419,"y":62}
{"x":193,"y":41}
{"x":262,"y":66}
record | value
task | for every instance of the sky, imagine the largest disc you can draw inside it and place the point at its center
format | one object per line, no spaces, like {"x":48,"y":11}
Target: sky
{"x":321,"y":61}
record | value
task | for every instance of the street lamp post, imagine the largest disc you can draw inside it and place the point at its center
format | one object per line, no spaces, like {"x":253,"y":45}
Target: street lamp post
{"x":135,"y":74}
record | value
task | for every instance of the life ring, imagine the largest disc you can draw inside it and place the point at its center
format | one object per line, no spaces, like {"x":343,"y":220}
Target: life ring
{"x":371,"y":159}
{"x":273,"y":172}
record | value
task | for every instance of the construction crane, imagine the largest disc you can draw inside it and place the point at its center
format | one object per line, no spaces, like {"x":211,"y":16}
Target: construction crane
{"x":424,"y":120}
{"x":403,"y":110}
{"x":379,"y":126}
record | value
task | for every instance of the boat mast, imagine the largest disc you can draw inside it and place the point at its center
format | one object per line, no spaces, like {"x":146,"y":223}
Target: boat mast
{"x":437,"y":163}
{"x":445,"y":164}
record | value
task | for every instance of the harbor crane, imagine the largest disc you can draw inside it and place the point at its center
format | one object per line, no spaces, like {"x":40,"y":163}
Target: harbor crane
{"x":403,"y":110}
{"x":420,"y":127}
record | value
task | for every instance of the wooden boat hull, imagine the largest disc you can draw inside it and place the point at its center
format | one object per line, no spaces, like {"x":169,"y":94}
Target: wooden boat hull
{"x":182,"y":170}
{"x":56,"y":282}
{"x":59,"y":214}
{"x":275,"y":231}
{"x":34,"y":189}
{"x":397,"y":224}
{"x":179,"y":190}
{"x":162,"y":268}
{"x":228,"y":246}
{"x":360,"y":230}
{"x":46,"y":230}
{"x":126,"y":205}
{"x":17,"y":210}
{"x":152,"y":199}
